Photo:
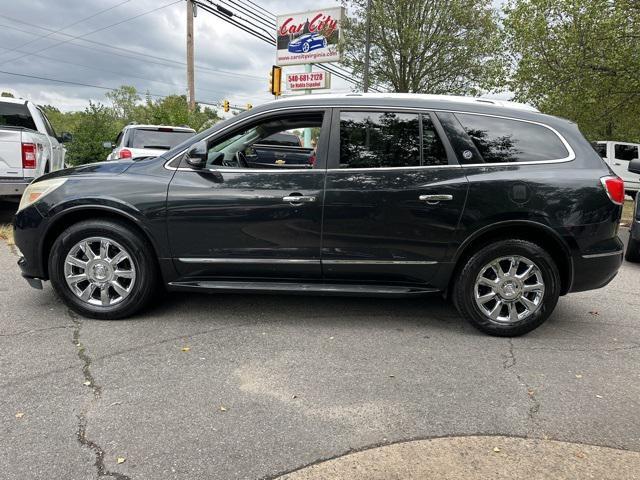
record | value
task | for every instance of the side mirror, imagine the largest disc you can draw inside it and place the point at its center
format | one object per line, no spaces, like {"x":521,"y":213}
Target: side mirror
{"x":108,"y":145}
{"x":197,"y":155}
{"x":65,"y":137}
{"x":634,"y":166}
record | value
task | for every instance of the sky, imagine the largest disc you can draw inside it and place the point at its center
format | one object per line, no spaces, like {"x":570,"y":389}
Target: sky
{"x":135,"y":42}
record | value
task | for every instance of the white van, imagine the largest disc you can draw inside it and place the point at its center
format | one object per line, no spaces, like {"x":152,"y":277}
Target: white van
{"x":618,"y":155}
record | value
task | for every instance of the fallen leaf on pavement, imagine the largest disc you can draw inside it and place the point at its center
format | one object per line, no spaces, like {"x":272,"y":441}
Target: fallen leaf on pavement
{"x":19,"y":414}
{"x":186,"y":349}
{"x":295,"y":396}
{"x":593,"y":312}
{"x":580,"y":454}
{"x":87,"y":383}
{"x":496,"y":449}
{"x":578,"y":376}
{"x":223,"y":408}
{"x":120,"y":460}
{"x":531,"y":392}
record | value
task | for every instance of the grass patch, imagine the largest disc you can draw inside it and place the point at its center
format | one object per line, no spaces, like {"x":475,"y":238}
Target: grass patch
{"x":6,"y":233}
{"x":627,"y":212}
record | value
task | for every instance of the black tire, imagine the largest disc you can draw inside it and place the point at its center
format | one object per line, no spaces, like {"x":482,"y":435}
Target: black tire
{"x":146,"y":281}
{"x":464,"y":288}
{"x":633,"y":251}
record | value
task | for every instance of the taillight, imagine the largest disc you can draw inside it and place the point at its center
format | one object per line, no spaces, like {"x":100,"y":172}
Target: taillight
{"x":124,"y":153}
{"x":614,"y":186}
{"x":29,"y":155}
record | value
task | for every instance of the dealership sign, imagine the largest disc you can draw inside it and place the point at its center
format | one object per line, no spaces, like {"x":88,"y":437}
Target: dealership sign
{"x":309,"y":37}
{"x":308,"y":80}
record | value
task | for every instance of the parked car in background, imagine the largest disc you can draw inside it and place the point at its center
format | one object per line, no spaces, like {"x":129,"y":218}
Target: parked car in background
{"x":29,"y":147}
{"x":633,"y":247}
{"x":497,"y":206}
{"x":280,"y":149}
{"x":618,"y":155}
{"x":135,"y":141}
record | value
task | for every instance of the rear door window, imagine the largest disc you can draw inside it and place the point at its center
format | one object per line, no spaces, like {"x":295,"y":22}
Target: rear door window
{"x":625,"y":153}
{"x":16,"y":115}
{"x":379,"y":139}
{"x":502,"y":140}
{"x":389,"y":139}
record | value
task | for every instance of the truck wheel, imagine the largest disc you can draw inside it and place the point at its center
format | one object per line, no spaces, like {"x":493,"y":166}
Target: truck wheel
{"x":508,"y":288}
{"x":633,"y":251}
{"x":102,"y":269}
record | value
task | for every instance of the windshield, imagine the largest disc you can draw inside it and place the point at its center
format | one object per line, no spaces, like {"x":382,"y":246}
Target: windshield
{"x":160,"y":139}
{"x":16,"y":115}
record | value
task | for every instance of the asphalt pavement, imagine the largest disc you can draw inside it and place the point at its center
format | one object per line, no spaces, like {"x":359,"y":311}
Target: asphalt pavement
{"x":233,"y":386}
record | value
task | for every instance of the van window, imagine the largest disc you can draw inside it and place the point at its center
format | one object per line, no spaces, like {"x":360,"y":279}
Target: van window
{"x":600,"y":148}
{"x":625,"y":152}
{"x":379,"y":139}
{"x":503,"y":140}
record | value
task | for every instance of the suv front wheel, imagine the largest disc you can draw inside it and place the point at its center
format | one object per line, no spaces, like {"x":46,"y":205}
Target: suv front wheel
{"x":508,"y":288}
{"x":102,"y":269}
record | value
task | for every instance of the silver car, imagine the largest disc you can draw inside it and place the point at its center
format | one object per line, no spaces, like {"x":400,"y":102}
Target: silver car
{"x":136,"y":140}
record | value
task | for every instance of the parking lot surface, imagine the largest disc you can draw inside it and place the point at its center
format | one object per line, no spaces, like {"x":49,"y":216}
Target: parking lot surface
{"x":245,"y":386}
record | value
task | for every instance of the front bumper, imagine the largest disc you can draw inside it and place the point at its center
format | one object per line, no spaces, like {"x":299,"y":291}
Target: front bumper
{"x":29,"y":231}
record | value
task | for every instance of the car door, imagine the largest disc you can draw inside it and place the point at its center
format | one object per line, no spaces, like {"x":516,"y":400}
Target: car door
{"x":394,"y":195}
{"x":261,"y":222}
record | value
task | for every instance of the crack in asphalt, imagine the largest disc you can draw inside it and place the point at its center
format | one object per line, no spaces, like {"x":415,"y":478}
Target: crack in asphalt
{"x":81,"y":433}
{"x":510,"y":361}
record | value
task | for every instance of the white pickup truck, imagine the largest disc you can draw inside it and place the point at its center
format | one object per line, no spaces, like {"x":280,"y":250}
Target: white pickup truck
{"x":29,"y":147}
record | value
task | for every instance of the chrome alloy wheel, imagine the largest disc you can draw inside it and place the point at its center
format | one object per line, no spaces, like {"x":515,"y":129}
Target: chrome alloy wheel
{"x":509,"y":289}
{"x":99,"y":271}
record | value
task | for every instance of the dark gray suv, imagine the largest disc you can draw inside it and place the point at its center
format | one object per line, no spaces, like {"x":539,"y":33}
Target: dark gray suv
{"x":496,"y":205}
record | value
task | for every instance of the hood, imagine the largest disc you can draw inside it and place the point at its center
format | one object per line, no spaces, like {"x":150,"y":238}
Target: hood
{"x":114,"y":167}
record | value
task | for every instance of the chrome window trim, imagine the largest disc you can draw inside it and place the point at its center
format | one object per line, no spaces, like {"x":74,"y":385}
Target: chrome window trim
{"x":566,"y":144}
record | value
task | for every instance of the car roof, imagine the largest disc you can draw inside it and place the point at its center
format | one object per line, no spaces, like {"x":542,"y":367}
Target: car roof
{"x":155,"y":127}
{"x":402,"y":100}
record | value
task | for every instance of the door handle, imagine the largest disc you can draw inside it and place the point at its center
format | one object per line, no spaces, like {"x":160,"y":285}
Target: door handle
{"x":433,"y":199}
{"x":298,"y":199}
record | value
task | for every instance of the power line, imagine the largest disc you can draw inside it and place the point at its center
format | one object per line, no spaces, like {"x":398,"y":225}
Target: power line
{"x":81,"y":84}
{"x":94,"y":31}
{"x":141,"y":57}
{"x":65,"y":27}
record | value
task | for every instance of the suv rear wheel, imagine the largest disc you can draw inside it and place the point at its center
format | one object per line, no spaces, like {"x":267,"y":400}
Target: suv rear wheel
{"x":102,"y":269}
{"x":508,"y":288}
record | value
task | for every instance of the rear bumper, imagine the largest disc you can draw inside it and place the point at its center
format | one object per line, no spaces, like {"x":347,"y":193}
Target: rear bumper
{"x":596,"y":270}
{"x":10,"y":187}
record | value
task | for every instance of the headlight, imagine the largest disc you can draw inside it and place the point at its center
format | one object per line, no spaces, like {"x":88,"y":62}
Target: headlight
{"x":36,"y":191}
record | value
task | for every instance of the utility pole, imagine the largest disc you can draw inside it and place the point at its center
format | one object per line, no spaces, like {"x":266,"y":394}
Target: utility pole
{"x":191,"y":84}
{"x":367,"y":48}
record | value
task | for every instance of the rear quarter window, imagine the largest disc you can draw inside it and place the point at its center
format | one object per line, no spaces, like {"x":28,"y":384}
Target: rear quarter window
{"x":504,"y":140}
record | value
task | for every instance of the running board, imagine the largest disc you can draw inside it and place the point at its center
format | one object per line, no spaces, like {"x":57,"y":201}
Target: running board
{"x":302,"y":288}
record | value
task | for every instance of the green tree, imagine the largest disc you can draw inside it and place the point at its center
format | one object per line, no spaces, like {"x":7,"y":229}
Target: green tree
{"x":174,"y":110}
{"x":578,"y":59}
{"x":96,"y":124}
{"x":124,"y":100}
{"x":426,"y":46}
{"x":7,"y":95}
